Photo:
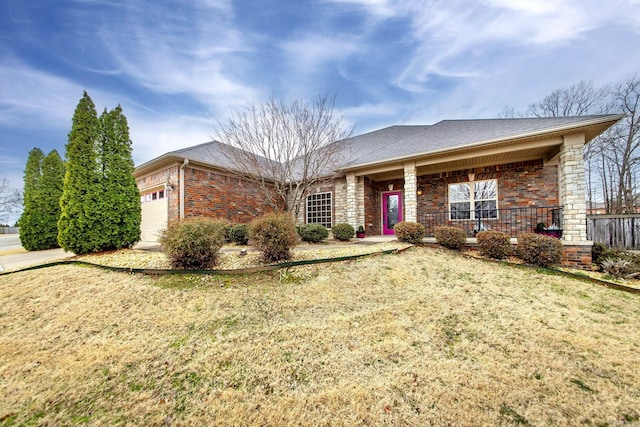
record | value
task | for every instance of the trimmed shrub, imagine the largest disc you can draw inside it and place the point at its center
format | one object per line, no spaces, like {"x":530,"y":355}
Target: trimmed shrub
{"x":238,"y":234}
{"x":540,"y":250}
{"x":274,"y":235}
{"x":450,"y":237}
{"x":313,"y":233}
{"x":193,"y":242}
{"x":493,"y":244}
{"x":410,"y":232}
{"x":343,"y":232}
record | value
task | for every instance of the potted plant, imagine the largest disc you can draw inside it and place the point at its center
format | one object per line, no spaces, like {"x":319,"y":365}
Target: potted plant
{"x":553,"y":230}
{"x":360,"y":232}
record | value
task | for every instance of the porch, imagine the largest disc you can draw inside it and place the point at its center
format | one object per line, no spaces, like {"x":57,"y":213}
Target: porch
{"x":512,"y":221}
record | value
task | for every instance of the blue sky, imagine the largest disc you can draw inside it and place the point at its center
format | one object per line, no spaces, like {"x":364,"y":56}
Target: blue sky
{"x":176,"y":69}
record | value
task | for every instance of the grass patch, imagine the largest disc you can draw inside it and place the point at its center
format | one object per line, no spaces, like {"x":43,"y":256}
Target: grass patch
{"x":426,"y":337}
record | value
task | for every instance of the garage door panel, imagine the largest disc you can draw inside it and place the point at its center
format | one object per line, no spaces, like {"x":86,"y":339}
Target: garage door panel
{"x":155,"y":215}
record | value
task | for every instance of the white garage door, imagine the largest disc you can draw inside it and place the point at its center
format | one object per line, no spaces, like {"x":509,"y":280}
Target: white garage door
{"x":155,"y":214}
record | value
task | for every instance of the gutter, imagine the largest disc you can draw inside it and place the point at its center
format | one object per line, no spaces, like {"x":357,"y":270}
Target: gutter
{"x":182,"y":186}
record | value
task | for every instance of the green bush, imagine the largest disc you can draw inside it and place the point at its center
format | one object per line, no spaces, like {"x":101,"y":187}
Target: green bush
{"x":540,"y":250}
{"x":410,"y":232}
{"x":313,"y":233}
{"x":450,"y":237}
{"x":193,"y":243}
{"x":343,"y":232}
{"x":274,"y":235}
{"x":238,"y":234}
{"x":493,"y":244}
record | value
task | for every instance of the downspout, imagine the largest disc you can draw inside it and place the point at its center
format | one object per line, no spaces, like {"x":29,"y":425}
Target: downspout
{"x":184,"y":164}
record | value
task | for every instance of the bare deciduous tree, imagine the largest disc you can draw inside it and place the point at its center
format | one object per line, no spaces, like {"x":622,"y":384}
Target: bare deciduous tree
{"x":10,"y":199}
{"x":576,"y":100}
{"x":286,"y":149}
{"x":612,"y":159}
{"x":624,"y":147}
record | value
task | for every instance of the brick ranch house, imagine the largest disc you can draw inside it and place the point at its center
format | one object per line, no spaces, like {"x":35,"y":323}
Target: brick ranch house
{"x":502,"y":174}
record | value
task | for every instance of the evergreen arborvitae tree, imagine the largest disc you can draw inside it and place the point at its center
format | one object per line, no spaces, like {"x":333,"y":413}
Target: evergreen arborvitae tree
{"x":78,"y":229}
{"x":29,"y":222}
{"x":50,"y":192}
{"x":120,"y":214}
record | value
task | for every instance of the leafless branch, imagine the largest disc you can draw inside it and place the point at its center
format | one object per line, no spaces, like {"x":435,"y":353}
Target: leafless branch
{"x":10,"y":199}
{"x":286,"y":149}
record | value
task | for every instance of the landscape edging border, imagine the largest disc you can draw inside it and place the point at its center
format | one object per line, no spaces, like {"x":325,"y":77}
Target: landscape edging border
{"x":249,"y":270}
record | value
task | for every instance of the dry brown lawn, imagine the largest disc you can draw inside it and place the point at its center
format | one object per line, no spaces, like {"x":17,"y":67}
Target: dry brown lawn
{"x":426,"y":337}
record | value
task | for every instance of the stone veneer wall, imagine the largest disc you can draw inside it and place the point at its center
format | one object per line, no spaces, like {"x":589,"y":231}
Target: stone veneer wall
{"x":157,"y":179}
{"x":340,"y":200}
{"x":573,"y":189}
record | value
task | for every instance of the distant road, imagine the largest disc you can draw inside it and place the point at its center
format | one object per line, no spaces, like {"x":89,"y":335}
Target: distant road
{"x":9,"y":241}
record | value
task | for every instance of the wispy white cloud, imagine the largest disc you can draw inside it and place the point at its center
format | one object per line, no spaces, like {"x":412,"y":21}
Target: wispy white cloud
{"x":194,"y":51}
{"x":33,"y":97}
{"x":457,"y":38}
{"x":379,"y":8}
{"x":309,"y":53}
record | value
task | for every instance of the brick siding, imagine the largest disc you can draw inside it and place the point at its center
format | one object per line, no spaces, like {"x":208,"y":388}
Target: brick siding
{"x":578,"y":256}
{"x":217,"y":195}
{"x":520,"y":184}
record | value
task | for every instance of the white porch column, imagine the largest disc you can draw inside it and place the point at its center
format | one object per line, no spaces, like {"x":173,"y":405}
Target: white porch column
{"x":352,"y":200}
{"x":410,"y":195}
{"x":572,"y":189}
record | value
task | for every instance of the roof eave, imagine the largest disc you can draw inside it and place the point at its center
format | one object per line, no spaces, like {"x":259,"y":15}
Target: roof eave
{"x":606,"y":121}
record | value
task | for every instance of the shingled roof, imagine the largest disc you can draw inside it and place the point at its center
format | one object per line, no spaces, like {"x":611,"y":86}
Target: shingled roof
{"x":405,"y":142}
{"x":397,"y":142}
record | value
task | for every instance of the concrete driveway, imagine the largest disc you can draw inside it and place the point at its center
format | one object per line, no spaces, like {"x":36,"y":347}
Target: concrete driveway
{"x":14,"y":257}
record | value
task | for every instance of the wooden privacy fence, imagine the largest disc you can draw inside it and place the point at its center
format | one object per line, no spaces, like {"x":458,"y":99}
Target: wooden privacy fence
{"x":616,"y":231}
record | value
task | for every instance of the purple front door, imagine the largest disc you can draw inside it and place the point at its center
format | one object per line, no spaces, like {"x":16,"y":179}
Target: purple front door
{"x":391,"y":210}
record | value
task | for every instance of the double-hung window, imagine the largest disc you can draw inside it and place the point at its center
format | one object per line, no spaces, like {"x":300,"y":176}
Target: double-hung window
{"x":319,"y":209}
{"x":473,"y":200}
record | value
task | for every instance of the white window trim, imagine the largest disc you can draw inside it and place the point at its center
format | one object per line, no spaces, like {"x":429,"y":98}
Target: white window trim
{"x":472,"y":210}
{"x":307,"y":200}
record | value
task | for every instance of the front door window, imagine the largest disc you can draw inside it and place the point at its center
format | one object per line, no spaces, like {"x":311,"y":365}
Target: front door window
{"x":391,"y":210}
